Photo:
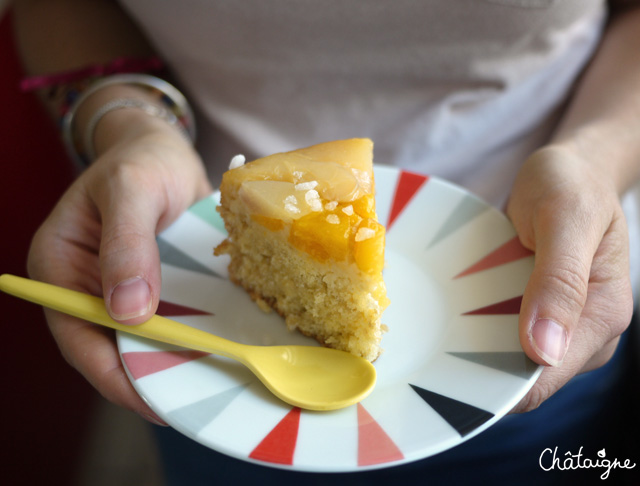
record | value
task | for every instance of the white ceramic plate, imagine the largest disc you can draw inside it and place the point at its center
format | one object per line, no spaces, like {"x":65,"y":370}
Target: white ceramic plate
{"x":452,"y":364}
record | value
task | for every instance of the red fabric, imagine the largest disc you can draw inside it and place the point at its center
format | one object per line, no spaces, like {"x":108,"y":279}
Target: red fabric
{"x":46,"y":404}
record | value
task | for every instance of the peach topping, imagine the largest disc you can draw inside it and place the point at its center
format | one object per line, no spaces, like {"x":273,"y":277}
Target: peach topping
{"x":325,"y":193}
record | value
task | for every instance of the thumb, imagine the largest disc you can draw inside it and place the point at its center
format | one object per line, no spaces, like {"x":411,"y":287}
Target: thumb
{"x":129,"y":258}
{"x":555,"y":296}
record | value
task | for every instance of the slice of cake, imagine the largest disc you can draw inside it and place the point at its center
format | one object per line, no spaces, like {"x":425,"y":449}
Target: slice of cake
{"x":304,"y":240}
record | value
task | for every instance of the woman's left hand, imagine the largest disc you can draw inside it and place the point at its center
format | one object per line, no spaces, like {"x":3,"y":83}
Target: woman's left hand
{"x":578,"y":300}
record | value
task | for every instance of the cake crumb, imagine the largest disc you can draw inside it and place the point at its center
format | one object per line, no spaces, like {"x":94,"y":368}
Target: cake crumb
{"x":263,"y":305}
{"x":333,"y":219}
{"x":348,"y":210}
{"x":237,"y":161}
{"x":365,"y":234}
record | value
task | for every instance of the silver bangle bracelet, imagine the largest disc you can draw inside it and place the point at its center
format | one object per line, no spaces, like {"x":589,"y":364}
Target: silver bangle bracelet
{"x":119,"y":103}
{"x":176,"y":104}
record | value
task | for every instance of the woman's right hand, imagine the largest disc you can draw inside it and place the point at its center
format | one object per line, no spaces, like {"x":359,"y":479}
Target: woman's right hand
{"x":100,"y":239}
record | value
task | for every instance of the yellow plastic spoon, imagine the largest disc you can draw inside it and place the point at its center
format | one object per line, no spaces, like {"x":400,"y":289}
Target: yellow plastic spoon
{"x":313,"y":378}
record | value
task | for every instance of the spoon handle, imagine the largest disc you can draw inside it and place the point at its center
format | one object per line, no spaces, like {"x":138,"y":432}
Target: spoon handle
{"x":93,"y":309}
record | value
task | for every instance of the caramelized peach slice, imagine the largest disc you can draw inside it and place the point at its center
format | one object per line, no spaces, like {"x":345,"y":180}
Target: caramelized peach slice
{"x":274,"y":200}
{"x":343,"y":169}
{"x":368,"y":246}
{"x":324,"y":236}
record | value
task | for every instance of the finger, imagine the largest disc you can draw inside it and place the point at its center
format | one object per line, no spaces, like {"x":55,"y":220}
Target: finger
{"x":556,"y":292}
{"x":129,"y":259}
{"x":79,"y":340}
{"x":88,"y":348}
{"x":553,"y":378}
{"x":601,"y":356}
{"x":606,"y":314}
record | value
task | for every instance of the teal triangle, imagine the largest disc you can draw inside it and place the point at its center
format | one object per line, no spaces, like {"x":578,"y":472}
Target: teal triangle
{"x":516,"y":363}
{"x":206,"y":211}
{"x":173,"y":256}
{"x":467,"y":209}
{"x":197,"y":415}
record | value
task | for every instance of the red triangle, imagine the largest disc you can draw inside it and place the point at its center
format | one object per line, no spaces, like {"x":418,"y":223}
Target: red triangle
{"x":280,"y":444}
{"x":408,"y":185}
{"x":169,"y":309}
{"x":509,"y":306}
{"x":143,"y":363}
{"x":511,"y":251}
{"x":374,"y":445}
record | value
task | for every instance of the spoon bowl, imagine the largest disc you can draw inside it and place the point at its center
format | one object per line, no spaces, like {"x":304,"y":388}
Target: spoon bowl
{"x":308,"y":377}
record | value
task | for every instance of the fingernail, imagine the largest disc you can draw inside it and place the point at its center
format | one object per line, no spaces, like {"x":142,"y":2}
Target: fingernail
{"x":131,"y":298}
{"x":154,"y":419}
{"x":550,"y":341}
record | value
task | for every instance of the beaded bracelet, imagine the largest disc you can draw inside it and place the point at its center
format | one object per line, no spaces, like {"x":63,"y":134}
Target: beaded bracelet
{"x":179,"y":111}
{"x":64,"y":88}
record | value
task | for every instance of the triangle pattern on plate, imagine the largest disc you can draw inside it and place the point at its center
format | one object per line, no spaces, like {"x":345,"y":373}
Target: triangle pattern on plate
{"x":510,"y":251}
{"x":173,"y":256}
{"x":279,"y":445}
{"x":513,"y":362}
{"x":465,"y":211}
{"x":409,"y":183}
{"x":374,"y":445}
{"x":169,"y":309}
{"x":144,"y":363}
{"x":509,"y":306}
{"x":206,"y":211}
{"x":461,"y":416}
{"x":197,"y":415}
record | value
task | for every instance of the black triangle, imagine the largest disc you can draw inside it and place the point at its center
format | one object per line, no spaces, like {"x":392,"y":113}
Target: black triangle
{"x":461,"y":416}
